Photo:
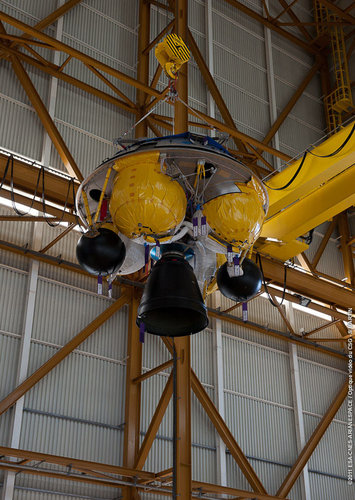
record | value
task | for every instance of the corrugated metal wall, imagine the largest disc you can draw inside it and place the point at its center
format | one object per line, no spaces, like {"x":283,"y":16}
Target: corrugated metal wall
{"x":77,"y":410}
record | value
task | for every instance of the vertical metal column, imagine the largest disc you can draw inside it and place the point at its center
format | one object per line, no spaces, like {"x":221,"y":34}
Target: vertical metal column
{"x":297,"y":405}
{"x":182,"y":344}
{"x":143,"y":63}
{"x":271,"y":87}
{"x":133,"y":394}
{"x":209,"y":54}
{"x":219,"y":390}
{"x":24,"y":355}
{"x":47,"y":143}
{"x":9,"y":477}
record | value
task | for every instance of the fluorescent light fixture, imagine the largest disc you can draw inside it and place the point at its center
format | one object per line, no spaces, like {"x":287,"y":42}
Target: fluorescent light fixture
{"x":273,"y":239}
{"x":22,"y":208}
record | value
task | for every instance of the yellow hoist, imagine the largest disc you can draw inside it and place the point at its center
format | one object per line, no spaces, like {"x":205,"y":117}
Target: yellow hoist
{"x":172,"y":53}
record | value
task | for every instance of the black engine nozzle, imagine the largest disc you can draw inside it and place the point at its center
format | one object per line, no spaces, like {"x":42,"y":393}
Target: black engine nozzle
{"x":102,"y":253}
{"x":172,"y":303}
{"x":240,"y":288}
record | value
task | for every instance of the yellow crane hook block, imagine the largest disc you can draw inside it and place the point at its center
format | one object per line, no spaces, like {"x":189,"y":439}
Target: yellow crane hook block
{"x":172,"y":53}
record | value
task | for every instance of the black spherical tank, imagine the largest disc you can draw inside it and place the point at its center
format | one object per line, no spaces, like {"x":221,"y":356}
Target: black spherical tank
{"x":100,"y":253}
{"x":240,"y":288}
{"x":172,"y":304}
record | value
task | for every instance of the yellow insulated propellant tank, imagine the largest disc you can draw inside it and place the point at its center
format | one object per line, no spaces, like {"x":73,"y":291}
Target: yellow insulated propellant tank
{"x":237,"y":218}
{"x":144,"y":200}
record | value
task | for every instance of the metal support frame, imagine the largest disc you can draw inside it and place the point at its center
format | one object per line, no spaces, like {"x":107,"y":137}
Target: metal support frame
{"x":46,"y":119}
{"x":43,"y":370}
{"x":294,"y":18}
{"x":24,"y":356}
{"x":312,"y":443}
{"x":154,"y":424}
{"x":111,"y":475}
{"x":182,"y":344}
{"x":47,"y":143}
{"x":266,"y":22}
{"x":58,"y":238}
{"x":295,"y":339}
{"x":213,"y":89}
{"x":320,"y":328}
{"x":133,"y":394}
{"x":346,"y":251}
{"x":323,"y":243}
{"x":222,"y":430}
{"x":277,"y":121}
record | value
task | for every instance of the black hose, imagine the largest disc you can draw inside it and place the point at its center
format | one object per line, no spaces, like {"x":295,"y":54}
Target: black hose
{"x":334,"y":153}
{"x":258,"y":257}
{"x":21,"y":214}
{"x":339,"y":148}
{"x":293,"y":177}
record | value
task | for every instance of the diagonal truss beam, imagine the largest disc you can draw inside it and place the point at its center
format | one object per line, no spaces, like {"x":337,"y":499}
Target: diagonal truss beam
{"x":43,"y":370}
{"x":320,"y":328}
{"x":223,"y":430}
{"x":56,"y":71}
{"x":233,"y":132}
{"x":110,"y":475}
{"x":167,"y":28}
{"x":294,"y":339}
{"x":57,"y":45}
{"x":212,"y":87}
{"x":58,"y":238}
{"x":110,"y":85}
{"x":274,"y":19}
{"x":153,"y":371}
{"x":56,"y":14}
{"x":77,"y":464}
{"x":251,"y":13}
{"x":226,"y":435}
{"x":48,"y":20}
{"x":291,"y":103}
{"x":294,"y":18}
{"x":282,"y":313}
{"x":323,"y":243}
{"x":154,"y":424}
{"x":313,"y":441}
{"x":46,"y":119}
{"x":343,"y":225}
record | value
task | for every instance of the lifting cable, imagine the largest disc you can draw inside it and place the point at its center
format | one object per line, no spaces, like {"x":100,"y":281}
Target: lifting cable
{"x":334,"y":153}
{"x":258,"y":258}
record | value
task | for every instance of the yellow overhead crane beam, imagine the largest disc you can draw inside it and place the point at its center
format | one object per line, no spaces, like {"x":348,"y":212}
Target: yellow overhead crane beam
{"x":323,"y":188}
